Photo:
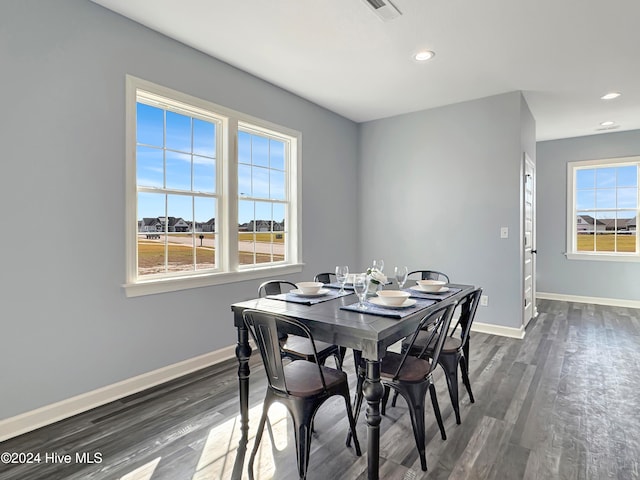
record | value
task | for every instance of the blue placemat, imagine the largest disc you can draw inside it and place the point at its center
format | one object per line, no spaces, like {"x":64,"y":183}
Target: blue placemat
{"x":293,"y":298}
{"x":373,"y":309}
{"x":432,"y":295}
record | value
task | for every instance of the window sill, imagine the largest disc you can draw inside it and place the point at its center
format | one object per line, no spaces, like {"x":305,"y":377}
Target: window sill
{"x":602,"y":257}
{"x":152,"y":287}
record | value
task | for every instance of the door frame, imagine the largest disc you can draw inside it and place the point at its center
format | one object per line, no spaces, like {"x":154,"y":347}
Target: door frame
{"x":528,"y":174}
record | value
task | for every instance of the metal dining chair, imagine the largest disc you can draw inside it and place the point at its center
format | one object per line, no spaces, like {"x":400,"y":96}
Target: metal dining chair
{"x":325,"y":277}
{"x":302,"y":386}
{"x":430,"y":275}
{"x":294,"y":346}
{"x":411,"y":376}
{"x":455,"y":351}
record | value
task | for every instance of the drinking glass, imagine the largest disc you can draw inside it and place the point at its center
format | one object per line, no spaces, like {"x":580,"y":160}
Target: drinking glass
{"x":401,"y":275}
{"x":342,"y":273}
{"x":360,"y":286}
{"x":379,"y":264}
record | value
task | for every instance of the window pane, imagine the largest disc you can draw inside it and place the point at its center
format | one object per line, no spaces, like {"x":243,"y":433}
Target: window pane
{"x":151,"y":248}
{"x":276,"y":184}
{"x":244,"y":181}
{"x":278,"y":217}
{"x":245,"y":214}
{"x":585,"y":178}
{"x":263,"y":217}
{"x":180,"y":243}
{"x":150,"y":207}
{"x":206,"y":251}
{"x":605,"y":232}
{"x":605,"y":177}
{"x":259,"y":151}
{"x":205,"y":212}
{"x":606,"y":198}
{"x":627,"y":176}
{"x":178,"y":171}
{"x":178,"y":132}
{"x":279,"y":246}
{"x":204,"y":138}
{"x":260,"y":182}
{"x":246,"y":248}
{"x":627,"y":197}
{"x":244,"y":148}
{"x":204,"y":174}
{"x":276,"y":154}
{"x":150,"y":167}
{"x":149,"y":125}
{"x":626,"y":241}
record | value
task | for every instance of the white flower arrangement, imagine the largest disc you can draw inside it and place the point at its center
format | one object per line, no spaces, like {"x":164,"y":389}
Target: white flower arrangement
{"x":376,"y":276}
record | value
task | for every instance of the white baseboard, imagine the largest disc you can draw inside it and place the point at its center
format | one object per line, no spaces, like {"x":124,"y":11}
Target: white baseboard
{"x":28,"y":421}
{"x":500,"y":330}
{"x":612,"y":302}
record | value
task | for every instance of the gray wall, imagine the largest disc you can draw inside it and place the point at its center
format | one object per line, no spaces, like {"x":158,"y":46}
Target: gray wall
{"x":67,"y":327}
{"x":556,"y":274}
{"x":439,"y":184}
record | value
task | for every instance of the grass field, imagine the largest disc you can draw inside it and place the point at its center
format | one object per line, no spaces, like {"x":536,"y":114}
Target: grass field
{"x":607,"y":243}
{"x":151,"y":255}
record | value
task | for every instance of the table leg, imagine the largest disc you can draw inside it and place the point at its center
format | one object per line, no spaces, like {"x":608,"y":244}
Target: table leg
{"x":243,"y":352}
{"x":373,"y":391}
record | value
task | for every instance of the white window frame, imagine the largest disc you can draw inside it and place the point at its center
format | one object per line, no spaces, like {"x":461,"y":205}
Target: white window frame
{"x":228,"y":270}
{"x":572,"y":252}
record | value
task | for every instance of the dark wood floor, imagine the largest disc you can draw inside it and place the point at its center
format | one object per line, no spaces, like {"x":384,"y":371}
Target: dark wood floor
{"x":563,"y":403}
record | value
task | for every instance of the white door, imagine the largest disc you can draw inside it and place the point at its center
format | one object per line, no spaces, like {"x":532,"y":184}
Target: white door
{"x":529,"y":238}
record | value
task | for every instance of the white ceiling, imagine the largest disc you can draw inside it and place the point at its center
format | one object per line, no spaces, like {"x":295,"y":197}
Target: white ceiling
{"x":562,"y":54}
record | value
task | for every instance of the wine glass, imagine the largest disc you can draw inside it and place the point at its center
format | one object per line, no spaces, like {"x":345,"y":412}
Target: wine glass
{"x":378,"y":264}
{"x":360,"y":286}
{"x":342,"y":273}
{"x":401,"y":274}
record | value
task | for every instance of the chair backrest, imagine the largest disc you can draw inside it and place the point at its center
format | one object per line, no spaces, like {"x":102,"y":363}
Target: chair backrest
{"x":430,"y":275}
{"x":436,"y":324}
{"x":273,"y":287}
{"x":326,"y":277}
{"x":265,"y":329}
{"x":468,"y":306}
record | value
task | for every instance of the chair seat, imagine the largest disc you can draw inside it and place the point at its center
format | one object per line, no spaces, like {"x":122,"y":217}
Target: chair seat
{"x":303,"y":379}
{"x":298,"y":345}
{"x":414,"y":369}
{"x":451,"y":344}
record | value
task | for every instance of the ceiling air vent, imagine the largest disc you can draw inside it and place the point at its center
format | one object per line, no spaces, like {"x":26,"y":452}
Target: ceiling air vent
{"x":384,"y":9}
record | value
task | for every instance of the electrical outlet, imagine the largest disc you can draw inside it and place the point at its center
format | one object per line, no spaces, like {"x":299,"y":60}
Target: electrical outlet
{"x":484,"y":300}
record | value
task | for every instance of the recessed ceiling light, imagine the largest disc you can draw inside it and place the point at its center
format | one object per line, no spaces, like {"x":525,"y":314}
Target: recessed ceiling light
{"x":608,"y":123}
{"x":424,"y":55}
{"x":610,"y":96}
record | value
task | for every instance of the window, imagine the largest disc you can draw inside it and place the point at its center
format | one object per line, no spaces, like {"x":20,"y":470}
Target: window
{"x":603,"y":209}
{"x":212,"y":194}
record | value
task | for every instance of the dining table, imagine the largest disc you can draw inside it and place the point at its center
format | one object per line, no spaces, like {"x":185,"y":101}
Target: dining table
{"x":336,"y":320}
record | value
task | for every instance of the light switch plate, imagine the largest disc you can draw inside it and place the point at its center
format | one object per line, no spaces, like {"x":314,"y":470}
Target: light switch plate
{"x":504,"y":232}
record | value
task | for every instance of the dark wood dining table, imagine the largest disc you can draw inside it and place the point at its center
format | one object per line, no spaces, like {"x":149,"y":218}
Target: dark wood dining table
{"x":368,"y":333}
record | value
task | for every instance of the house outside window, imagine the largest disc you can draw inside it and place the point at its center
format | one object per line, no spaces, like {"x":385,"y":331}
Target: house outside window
{"x":212,"y":194}
{"x":603,"y":209}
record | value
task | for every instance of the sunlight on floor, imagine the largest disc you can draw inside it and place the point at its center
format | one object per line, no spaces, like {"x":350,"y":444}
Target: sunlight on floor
{"x":145,"y":472}
{"x":220,"y":449}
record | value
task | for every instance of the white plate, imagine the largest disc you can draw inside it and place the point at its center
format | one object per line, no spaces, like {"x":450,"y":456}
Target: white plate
{"x":319,"y":293}
{"x":418,"y":288}
{"x":407,"y":303}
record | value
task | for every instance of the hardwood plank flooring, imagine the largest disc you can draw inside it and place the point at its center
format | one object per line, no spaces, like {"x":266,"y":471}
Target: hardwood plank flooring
{"x":561,"y":404}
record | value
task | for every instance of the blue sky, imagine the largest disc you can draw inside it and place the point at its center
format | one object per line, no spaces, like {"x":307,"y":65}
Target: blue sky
{"x":607,"y":188}
{"x":191,"y":144}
